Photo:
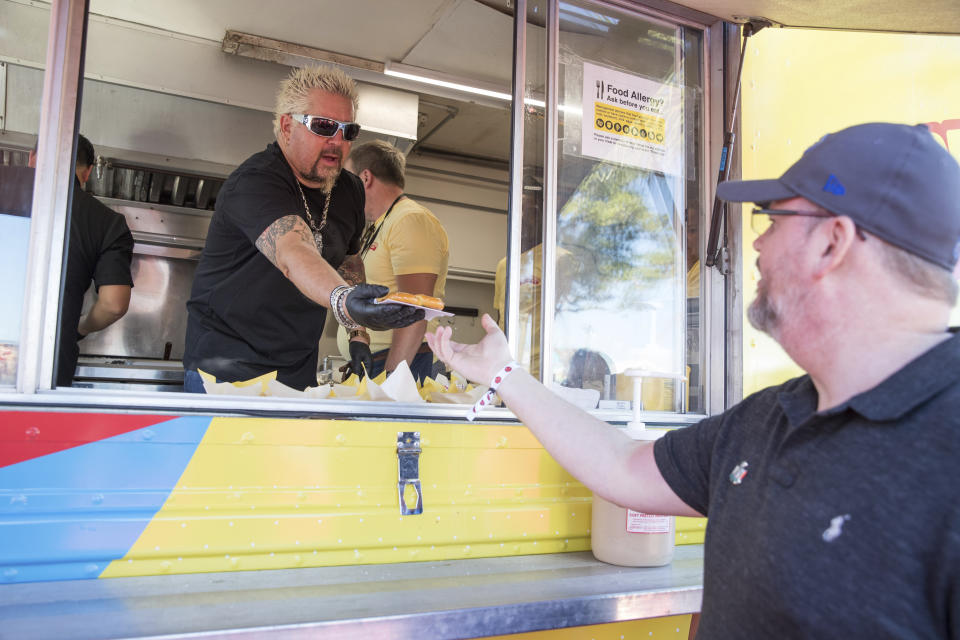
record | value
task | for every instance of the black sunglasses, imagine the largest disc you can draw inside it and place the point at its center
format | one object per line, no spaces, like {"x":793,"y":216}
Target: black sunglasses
{"x":327,"y":127}
{"x":760,"y":220}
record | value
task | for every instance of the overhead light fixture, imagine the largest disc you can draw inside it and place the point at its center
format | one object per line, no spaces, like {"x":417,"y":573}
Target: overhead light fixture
{"x":437,"y":79}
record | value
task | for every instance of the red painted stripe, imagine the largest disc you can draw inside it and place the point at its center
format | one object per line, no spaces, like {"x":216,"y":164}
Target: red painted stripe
{"x":25,"y":435}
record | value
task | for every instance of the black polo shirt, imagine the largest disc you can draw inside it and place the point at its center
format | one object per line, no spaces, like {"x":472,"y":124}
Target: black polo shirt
{"x":244,"y":317}
{"x":836,"y":524}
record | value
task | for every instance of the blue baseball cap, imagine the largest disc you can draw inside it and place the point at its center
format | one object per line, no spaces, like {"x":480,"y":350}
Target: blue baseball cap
{"x":895,"y":181}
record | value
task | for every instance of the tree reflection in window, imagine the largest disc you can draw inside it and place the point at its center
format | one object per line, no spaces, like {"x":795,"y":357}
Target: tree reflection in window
{"x":619,"y":228}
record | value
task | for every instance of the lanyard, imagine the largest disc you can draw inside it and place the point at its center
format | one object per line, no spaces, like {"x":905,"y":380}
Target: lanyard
{"x":365,"y":244}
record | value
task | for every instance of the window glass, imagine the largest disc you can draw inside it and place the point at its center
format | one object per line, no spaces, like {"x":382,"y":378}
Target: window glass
{"x":628,"y":208}
{"x":21,"y":88}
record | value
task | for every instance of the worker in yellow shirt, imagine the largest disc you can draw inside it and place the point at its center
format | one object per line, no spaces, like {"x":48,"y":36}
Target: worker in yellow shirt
{"x":404,"y":248}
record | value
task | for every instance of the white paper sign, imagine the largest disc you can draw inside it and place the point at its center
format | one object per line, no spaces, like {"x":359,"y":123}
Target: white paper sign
{"x":638,"y":522}
{"x":631,"y":120}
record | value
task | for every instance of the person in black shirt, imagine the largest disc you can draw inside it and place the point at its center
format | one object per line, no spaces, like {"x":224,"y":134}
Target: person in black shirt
{"x":832,"y":499}
{"x":100,"y":249}
{"x":284,"y":222}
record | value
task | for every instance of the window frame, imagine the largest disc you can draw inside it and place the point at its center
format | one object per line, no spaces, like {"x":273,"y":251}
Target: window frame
{"x":63,"y":78}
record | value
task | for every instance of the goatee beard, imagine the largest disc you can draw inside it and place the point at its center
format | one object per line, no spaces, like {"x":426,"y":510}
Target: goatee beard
{"x":326,"y":179}
{"x":329,"y":180}
{"x":762,"y":315}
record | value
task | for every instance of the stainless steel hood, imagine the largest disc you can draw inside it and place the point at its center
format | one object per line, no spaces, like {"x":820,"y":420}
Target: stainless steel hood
{"x":383,"y":112}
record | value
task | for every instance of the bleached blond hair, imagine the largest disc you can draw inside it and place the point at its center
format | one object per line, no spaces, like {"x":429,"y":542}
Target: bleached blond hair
{"x":292,"y":97}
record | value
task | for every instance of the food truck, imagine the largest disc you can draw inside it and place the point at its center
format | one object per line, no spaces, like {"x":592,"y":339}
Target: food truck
{"x":579,"y":141}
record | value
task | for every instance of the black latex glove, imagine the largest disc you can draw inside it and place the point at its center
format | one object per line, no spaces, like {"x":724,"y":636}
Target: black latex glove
{"x":379,"y":317}
{"x":361,"y":360}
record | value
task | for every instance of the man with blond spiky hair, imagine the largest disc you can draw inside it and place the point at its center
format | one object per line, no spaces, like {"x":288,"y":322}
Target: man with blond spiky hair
{"x":282,"y":247}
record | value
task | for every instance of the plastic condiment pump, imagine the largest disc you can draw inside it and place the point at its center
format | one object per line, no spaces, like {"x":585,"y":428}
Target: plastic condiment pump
{"x":622,"y":536}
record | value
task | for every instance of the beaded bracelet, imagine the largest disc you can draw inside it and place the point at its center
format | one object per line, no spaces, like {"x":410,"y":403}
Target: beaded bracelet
{"x":487,"y":397}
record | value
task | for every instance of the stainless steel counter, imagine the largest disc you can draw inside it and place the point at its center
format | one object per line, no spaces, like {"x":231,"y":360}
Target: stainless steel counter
{"x":106,"y":372}
{"x":435,"y":600}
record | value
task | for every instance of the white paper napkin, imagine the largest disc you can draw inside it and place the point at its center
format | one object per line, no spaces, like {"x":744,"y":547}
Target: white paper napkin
{"x":401,"y":385}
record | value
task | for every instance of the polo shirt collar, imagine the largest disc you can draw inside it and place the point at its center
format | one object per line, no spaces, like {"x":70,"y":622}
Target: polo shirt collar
{"x":906,"y":389}
{"x":800,"y":403}
{"x":911,"y":386}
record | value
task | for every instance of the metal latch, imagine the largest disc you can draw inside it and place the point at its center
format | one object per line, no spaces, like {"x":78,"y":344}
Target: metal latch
{"x":408,"y":461}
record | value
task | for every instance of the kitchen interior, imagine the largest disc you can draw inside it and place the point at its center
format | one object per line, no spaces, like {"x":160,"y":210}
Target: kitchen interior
{"x":177,"y":93}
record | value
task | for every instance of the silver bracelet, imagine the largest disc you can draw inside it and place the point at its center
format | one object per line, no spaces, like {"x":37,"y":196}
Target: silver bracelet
{"x":338,"y":306}
{"x":334,"y":295}
{"x":348,"y":322}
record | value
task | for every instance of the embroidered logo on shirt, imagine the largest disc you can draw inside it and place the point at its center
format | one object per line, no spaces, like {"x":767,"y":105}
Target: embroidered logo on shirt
{"x":739,"y":472}
{"x":373,"y":247}
{"x":835,"y":529}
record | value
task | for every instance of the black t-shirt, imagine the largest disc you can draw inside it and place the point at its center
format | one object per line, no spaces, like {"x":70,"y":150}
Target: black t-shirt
{"x":100,"y":249}
{"x":843,"y":523}
{"x":245,"y":318}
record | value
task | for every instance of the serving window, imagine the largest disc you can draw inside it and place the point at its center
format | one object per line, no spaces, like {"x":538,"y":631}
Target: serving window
{"x":604,"y":234}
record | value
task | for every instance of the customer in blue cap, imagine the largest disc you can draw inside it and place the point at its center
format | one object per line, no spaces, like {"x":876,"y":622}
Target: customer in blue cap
{"x":834,"y":498}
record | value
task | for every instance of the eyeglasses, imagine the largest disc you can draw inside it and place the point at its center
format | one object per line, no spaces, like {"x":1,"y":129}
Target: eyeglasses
{"x":327,"y":127}
{"x":760,"y":220}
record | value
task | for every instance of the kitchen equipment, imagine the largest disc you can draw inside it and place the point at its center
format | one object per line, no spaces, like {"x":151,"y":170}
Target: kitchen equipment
{"x":143,"y":350}
{"x":138,"y":189}
{"x":123,"y":183}
{"x":156,"y":186}
{"x":101,"y":178}
{"x":190,"y":195}
{"x":178,"y":191}
{"x":204,"y":190}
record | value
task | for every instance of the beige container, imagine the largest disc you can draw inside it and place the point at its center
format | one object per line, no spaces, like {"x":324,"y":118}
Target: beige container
{"x":630,"y":538}
{"x":625,"y":537}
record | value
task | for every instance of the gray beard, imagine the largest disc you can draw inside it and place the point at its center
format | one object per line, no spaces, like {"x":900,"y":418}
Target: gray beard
{"x":326,"y":181}
{"x":762,"y":315}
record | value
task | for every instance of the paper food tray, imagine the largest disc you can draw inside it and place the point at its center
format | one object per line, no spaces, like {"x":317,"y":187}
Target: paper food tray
{"x":429,"y":313}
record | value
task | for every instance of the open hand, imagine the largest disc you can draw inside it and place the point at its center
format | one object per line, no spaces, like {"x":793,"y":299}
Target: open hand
{"x":476,"y":362}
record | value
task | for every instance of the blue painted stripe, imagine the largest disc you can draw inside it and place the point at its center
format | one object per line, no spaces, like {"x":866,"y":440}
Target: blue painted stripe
{"x":67,"y":515}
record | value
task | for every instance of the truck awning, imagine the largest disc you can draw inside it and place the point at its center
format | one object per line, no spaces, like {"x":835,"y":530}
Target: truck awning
{"x":915,"y":16}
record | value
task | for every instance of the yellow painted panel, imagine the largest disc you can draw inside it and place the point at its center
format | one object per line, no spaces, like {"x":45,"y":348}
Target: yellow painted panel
{"x":801,"y":84}
{"x":668,"y":628}
{"x":691,"y":530}
{"x":284,"y":493}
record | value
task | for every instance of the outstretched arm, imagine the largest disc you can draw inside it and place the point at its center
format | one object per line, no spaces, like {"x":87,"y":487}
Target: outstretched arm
{"x":616,"y":467}
{"x":288,"y":244}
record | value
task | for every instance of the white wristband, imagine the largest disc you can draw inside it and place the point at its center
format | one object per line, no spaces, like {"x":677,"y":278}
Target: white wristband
{"x":487,"y":397}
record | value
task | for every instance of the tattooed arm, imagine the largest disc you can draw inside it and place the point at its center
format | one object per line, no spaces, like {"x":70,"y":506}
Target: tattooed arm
{"x":288,"y":244}
{"x":352,"y":270}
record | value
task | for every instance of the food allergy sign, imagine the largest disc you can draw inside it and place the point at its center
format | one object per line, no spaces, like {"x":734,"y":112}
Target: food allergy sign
{"x":631,"y":120}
